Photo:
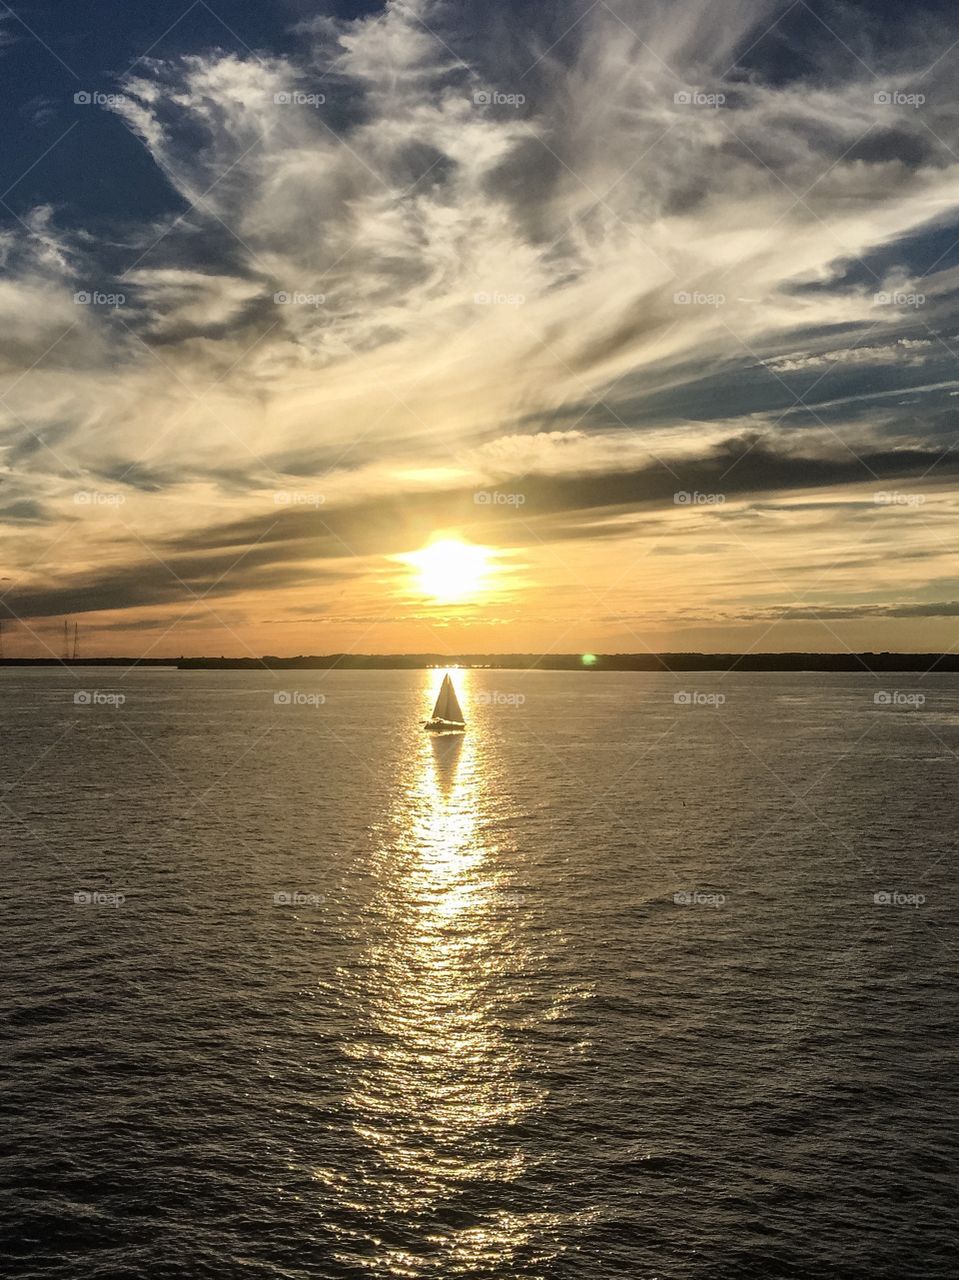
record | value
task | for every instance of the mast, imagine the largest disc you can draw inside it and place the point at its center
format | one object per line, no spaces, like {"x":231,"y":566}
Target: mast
{"x":76,"y":640}
{"x":66,"y":640}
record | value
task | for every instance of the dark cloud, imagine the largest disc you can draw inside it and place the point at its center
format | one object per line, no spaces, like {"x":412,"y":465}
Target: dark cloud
{"x":882,"y":145}
{"x":853,"y":612}
{"x":23,"y":511}
{"x":179,"y":581}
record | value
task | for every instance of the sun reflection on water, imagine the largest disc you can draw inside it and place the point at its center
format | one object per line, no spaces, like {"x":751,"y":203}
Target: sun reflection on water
{"x":439,"y":1083}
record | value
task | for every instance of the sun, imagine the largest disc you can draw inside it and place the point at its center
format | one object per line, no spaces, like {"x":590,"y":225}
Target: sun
{"x":449,"y":570}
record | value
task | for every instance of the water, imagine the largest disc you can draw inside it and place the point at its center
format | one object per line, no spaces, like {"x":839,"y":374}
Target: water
{"x":483,"y":1039}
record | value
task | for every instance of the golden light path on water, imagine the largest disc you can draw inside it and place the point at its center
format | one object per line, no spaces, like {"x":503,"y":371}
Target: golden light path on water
{"x":439,"y":1084}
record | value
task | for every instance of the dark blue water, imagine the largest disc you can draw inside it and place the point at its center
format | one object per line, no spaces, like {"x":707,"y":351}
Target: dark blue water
{"x":614,"y":985}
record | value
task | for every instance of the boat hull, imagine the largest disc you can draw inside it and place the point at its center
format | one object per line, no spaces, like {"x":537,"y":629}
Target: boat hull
{"x":444,"y":726}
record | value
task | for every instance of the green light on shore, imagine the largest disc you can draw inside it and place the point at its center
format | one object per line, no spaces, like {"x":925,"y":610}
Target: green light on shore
{"x":589,"y":659}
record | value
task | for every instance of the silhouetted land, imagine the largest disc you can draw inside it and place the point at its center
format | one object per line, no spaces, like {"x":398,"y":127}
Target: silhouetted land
{"x":871,"y":662}
{"x":605,"y":662}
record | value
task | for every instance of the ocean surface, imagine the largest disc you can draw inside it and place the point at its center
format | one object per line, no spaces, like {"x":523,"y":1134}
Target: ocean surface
{"x":613,"y":985}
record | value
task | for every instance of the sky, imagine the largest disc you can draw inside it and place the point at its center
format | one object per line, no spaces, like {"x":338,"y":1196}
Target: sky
{"x":653,"y":303}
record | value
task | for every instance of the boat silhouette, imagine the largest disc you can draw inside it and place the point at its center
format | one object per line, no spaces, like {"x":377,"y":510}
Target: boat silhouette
{"x":447,"y":713}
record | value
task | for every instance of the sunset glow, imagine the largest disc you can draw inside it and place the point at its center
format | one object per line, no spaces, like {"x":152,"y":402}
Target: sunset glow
{"x":449,"y":571}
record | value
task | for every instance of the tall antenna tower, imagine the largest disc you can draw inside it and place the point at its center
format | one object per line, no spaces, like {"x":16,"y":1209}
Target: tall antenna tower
{"x":76,"y":640}
{"x":66,"y":640}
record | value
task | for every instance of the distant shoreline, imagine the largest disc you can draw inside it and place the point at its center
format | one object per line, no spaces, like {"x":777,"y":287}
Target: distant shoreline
{"x":664,"y":662}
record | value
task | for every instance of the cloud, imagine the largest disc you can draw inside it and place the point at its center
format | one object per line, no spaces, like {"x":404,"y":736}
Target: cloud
{"x":589,"y":253}
{"x":847,"y":612}
{"x":287,"y":544}
{"x":903,"y":351}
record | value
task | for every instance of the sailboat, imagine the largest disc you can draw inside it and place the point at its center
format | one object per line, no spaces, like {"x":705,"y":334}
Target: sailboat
{"x":447,"y":714}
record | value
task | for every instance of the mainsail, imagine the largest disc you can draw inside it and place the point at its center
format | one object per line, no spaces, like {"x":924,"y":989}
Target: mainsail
{"x":447,"y":704}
